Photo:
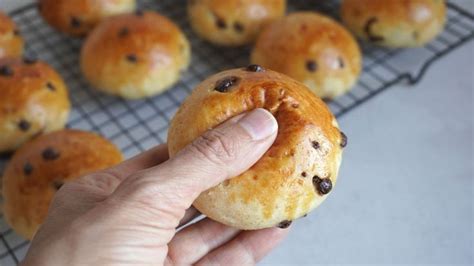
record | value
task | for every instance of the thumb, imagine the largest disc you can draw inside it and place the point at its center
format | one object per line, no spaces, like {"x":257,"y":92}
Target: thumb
{"x":221,"y":153}
{"x":229,"y":149}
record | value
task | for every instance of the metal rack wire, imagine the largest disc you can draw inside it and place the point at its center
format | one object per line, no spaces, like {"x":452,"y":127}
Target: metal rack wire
{"x":138,"y":125}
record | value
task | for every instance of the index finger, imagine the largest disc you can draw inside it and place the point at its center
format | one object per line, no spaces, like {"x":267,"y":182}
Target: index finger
{"x":109,"y":179}
{"x":147,"y":159}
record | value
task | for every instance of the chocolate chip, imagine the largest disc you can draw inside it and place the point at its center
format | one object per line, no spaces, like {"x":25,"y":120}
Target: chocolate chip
{"x":132,"y":58}
{"x":139,"y":13}
{"x":224,"y":84}
{"x":24,"y":125}
{"x":255,"y":68}
{"x":75,"y":22}
{"x":341,"y":62}
{"x":325,"y":186}
{"x":220,"y":23}
{"x":304,"y":174}
{"x":27,"y":168}
{"x":16,"y":32}
{"x":123,"y":32}
{"x":315,"y":144}
{"x":238,"y":27}
{"x":316,"y":179}
{"x":29,"y":60}
{"x":284,"y":224}
{"x":368,"y":30}
{"x":343,"y":140}
{"x":6,"y":71}
{"x":322,"y":186}
{"x":295,"y":105}
{"x":50,"y":86}
{"x":311,"y":65}
{"x":57,"y":184}
{"x":49,"y":154}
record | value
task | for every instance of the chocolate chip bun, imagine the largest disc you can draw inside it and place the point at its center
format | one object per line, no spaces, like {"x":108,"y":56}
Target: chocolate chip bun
{"x":79,"y":17}
{"x":395,"y":23}
{"x":33,"y":100}
{"x":294,"y":176}
{"x":135,"y":55}
{"x":232,"y":22}
{"x":312,"y":49}
{"x":11,"y":43}
{"x":39,"y":168}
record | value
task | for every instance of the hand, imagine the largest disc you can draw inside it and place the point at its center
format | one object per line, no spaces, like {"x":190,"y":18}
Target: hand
{"x":128,"y":214}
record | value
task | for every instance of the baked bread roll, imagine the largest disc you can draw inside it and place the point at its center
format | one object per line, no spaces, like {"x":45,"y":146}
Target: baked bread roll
{"x":79,"y":17}
{"x":232,"y":22}
{"x":135,"y":55}
{"x":294,"y":176}
{"x":11,"y":43}
{"x":312,"y":49}
{"x":395,"y":23}
{"x":39,"y":168}
{"x":33,"y":100}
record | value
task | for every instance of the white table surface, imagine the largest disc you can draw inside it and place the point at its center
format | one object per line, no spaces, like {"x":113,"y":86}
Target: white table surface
{"x":405,"y":190}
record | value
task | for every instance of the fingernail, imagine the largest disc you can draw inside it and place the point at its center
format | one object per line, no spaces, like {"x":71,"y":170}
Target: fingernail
{"x":259,"y":123}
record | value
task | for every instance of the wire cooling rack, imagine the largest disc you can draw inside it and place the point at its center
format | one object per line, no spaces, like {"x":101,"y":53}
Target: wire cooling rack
{"x":138,"y":125}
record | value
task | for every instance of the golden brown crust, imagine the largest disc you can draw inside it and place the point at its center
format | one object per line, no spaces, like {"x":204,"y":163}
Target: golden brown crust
{"x":395,"y":23}
{"x":233,"y":22}
{"x":312,"y":49}
{"x":115,"y":62}
{"x":79,"y":17}
{"x":11,"y":43}
{"x":39,"y":167}
{"x":280,"y":185}
{"x":33,"y":100}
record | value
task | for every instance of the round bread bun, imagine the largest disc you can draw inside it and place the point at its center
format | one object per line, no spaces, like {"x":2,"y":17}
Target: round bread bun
{"x":33,"y":100}
{"x":312,"y":49}
{"x":395,"y":23}
{"x":135,"y":55}
{"x":39,"y":168}
{"x":294,"y":176}
{"x":11,"y":43}
{"x":232,"y":22}
{"x":79,"y":17}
